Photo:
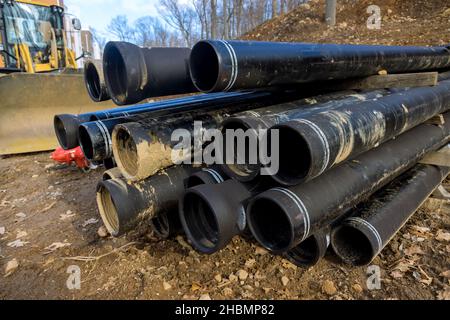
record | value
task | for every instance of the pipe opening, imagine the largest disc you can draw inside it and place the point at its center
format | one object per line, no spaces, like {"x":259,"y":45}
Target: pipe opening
{"x":116,"y":73}
{"x":86,"y":142}
{"x":92,"y":79}
{"x":108,"y":210}
{"x":352,"y":245}
{"x":204,"y":66}
{"x":160,"y":225}
{"x":247,"y":170}
{"x":306,"y":253}
{"x":126,"y":148}
{"x":201,"y":222}
{"x":60,"y":130}
{"x":294,"y":155}
{"x":270,"y":225}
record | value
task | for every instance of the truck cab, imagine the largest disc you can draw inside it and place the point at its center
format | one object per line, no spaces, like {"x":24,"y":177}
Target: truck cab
{"x":32,"y":37}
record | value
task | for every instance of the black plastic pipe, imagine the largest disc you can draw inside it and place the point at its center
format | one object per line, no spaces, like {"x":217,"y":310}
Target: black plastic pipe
{"x":95,"y":138}
{"x":124,"y":206}
{"x":95,"y":81}
{"x":308,"y":253}
{"x":281,"y":218}
{"x":144,"y":147}
{"x":312,"y":143}
{"x":166,"y":225}
{"x":267,"y":117}
{"x":212,"y":214}
{"x":361,"y":237}
{"x":218,"y":65}
{"x":66,"y":125}
{"x":133,"y":74}
{"x":209,"y":175}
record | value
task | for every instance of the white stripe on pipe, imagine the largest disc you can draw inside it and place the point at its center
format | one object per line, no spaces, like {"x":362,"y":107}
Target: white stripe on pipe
{"x":302,"y":208}
{"x":214,"y":174}
{"x":374,"y":231}
{"x":108,"y":140}
{"x":233,"y":65}
{"x":236,"y":66}
{"x":324,"y":141}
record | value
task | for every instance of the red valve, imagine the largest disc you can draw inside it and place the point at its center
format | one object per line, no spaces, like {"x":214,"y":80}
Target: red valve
{"x":75,"y":155}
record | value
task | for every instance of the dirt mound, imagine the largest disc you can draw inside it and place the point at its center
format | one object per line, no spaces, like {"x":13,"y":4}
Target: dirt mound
{"x":404,"y":22}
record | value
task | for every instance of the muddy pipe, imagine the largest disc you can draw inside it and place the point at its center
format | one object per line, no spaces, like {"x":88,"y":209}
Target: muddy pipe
{"x":95,"y":81}
{"x":142,"y":148}
{"x":282,"y":218}
{"x":166,"y":225}
{"x":133,"y":74}
{"x":124,"y":206}
{"x":253,"y":121}
{"x":66,"y":125}
{"x":312,"y":144}
{"x":218,"y":65}
{"x":110,"y":174}
{"x":308,"y":253}
{"x":361,"y":237}
{"x":95,"y":136}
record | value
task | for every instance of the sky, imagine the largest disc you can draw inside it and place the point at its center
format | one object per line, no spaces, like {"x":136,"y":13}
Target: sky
{"x":98,"y":13}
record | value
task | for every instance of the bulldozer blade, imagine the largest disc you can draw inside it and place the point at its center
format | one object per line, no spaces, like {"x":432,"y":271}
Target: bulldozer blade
{"x":28,"y":103}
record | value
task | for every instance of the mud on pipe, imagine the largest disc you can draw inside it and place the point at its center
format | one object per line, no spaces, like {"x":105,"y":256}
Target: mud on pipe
{"x":312,"y":143}
{"x":361,"y":237}
{"x":267,"y":117}
{"x":66,"y":125}
{"x":95,"y":136}
{"x":281,"y":218}
{"x":218,"y":65}
{"x":144,"y":147}
{"x":133,"y":74}
{"x":124,"y":206}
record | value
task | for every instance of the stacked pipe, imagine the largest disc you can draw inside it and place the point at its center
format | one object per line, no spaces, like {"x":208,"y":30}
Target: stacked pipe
{"x":340,"y":153}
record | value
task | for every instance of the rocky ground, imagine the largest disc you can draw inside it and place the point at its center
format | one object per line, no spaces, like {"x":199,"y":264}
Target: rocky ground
{"x":404,"y":22}
{"x":49,"y":222}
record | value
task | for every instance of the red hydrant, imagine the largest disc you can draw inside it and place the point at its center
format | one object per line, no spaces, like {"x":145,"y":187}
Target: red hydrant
{"x":75,"y":155}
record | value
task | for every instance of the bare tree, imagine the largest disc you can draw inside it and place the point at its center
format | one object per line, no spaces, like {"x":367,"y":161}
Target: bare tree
{"x":98,"y":38}
{"x":120,"y":28}
{"x":213,"y":18}
{"x":180,"y":17}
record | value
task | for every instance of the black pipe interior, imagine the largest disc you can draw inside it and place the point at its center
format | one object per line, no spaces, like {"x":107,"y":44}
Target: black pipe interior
{"x":86,"y":142}
{"x":116,"y":72}
{"x":352,"y":245}
{"x":294,"y":154}
{"x":127,"y":151}
{"x":305,"y":253}
{"x":241,"y":170}
{"x":204,"y":65}
{"x":61,"y":132}
{"x":160,"y":225}
{"x":200,"y":221}
{"x":93,"y":81}
{"x":270,"y":224}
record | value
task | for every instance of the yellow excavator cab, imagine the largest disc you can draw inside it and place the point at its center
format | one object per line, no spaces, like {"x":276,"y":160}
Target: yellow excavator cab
{"x":39,"y":76}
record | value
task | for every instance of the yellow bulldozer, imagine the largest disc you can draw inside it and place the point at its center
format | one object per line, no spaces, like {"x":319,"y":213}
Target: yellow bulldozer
{"x":39,"y":76}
